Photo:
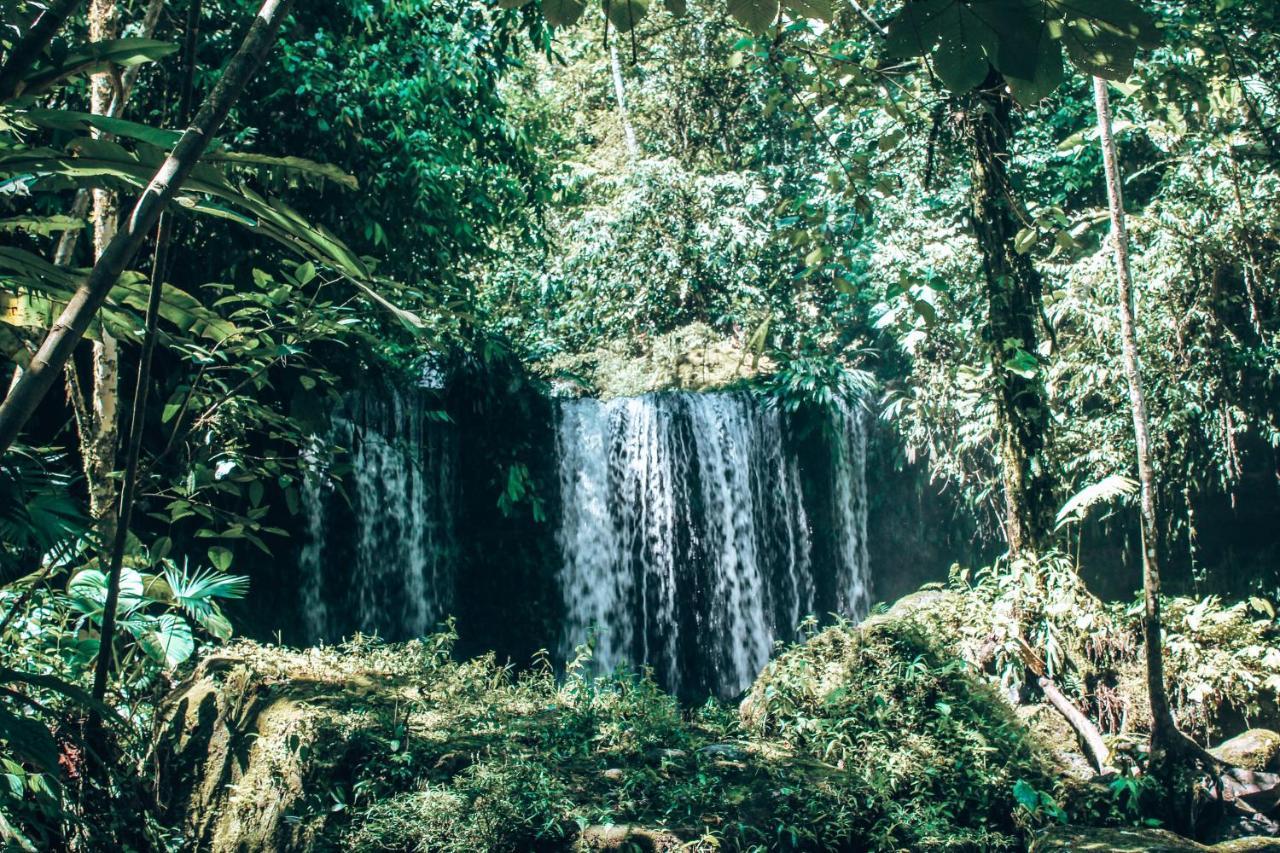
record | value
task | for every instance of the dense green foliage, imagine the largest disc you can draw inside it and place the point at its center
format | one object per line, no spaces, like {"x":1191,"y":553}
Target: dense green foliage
{"x":780,"y":195}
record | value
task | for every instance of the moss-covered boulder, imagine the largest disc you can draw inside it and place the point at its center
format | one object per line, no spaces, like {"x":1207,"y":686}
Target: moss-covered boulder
{"x":933,"y":750}
{"x":691,"y":358}
{"x":1255,"y":749}
{"x":859,"y":739}
{"x":1077,"y":839}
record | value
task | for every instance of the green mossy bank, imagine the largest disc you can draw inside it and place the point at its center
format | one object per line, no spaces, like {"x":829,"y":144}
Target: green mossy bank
{"x":861,"y":738}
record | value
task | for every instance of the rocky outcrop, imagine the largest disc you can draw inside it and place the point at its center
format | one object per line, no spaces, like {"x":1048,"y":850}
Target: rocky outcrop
{"x":239,"y":745}
{"x":691,"y":358}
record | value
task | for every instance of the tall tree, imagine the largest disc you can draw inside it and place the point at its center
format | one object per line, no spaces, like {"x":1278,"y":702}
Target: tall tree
{"x":1013,"y":290}
{"x":97,"y":418}
{"x":1165,"y":736}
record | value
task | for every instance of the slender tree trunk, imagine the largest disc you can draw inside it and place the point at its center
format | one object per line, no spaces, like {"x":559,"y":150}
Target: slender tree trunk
{"x":1013,"y":313}
{"x":1164,"y":730}
{"x":619,"y":91}
{"x":83,"y":306}
{"x":100,"y":435}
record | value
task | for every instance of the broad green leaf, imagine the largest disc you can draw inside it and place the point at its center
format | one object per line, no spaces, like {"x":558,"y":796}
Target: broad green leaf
{"x":96,"y":56}
{"x":1121,"y":18}
{"x":756,"y":15}
{"x":1047,"y":73}
{"x":1098,"y":52}
{"x":298,"y":165}
{"x":169,"y":640}
{"x":1023,"y":364}
{"x":961,"y":60}
{"x":30,"y":739}
{"x":512,"y":4}
{"x":1025,"y":240}
{"x":220,"y":557}
{"x":1026,"y":794}
{"x":917,"y":28}
{"x":82,"y":122}
{"x":625,"y":14}
{"x":44,"y":225}
{"x":676,"y":7}
{"x":563,"y":13}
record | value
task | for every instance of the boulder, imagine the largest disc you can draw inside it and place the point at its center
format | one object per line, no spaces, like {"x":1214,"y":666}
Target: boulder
{"x":627,"y":838}
{"x":1084,"y":839}
{"x":1256,"y":749}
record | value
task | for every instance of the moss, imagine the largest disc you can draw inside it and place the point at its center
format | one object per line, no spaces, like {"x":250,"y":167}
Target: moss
{"x":933,"y":752}
{"x":1256,"y":749}
{"x":877,"y":737}
{"x":1129,"y":840}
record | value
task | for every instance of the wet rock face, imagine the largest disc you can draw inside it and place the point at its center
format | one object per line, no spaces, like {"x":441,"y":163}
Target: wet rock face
{"x":1256,"y":749}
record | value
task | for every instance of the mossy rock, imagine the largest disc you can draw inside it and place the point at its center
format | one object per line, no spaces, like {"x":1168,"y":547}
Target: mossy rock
{"x":629,"y":839}
{"x":1077,"y":839}
{"x":1256,"y":749}
{"x":691,"y":358}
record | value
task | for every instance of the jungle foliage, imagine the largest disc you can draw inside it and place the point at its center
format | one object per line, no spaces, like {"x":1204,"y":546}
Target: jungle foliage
{"x":898,"y":202}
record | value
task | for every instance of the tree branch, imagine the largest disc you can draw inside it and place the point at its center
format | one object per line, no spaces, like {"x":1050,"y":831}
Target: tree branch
{"x":28,"y":50}
{"x":70,"y":326}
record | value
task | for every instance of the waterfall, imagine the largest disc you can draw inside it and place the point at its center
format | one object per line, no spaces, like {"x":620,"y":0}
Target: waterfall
{"x":686,"y":533}
{"x":377,"y":552}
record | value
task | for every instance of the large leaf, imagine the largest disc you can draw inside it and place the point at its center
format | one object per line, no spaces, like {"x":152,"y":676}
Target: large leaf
{"x":23,"y":270}
{"x":917,"y":28}
{"x":962,"y":59}
{"x":78,"y":122}
{"x":625,"y":14}
{"x":94,"y":161}
{"x":1027,"y":53}
{"x":96,"y":56}
{"x":294,"y":165}
{"x":166,"y":639}
{"x":87,"y":591}
{"x":563,"y":13}
{"x":1023,"y":39}
{"x":1120,"y":18}
{"x":756,"y":15}
{"x":166,"y":139}
{"x":31,"y":740}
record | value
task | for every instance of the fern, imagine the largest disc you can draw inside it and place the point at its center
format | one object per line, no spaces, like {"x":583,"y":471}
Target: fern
{"x":1104,"y":491}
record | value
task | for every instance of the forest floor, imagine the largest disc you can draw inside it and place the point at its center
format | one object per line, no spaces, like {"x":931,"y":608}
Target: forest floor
{"x":871,"y":737}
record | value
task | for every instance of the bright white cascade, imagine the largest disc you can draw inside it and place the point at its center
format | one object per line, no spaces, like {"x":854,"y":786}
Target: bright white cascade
{"x":380,"y":563}
{"x":685,"y":536}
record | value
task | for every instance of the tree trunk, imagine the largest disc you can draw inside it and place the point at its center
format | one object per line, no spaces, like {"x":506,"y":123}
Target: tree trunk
{"x":83,"y":306}
{"x":100,"y":432}
{"x":619,"y":91}
{"x":1164,"y":730}
{"x":1013,"y":312}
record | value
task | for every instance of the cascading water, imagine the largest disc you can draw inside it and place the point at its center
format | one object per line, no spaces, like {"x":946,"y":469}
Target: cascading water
{"x":685,"y":536}
{"x":378,"y":552}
